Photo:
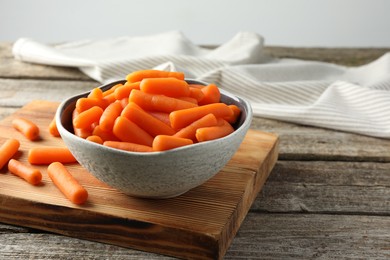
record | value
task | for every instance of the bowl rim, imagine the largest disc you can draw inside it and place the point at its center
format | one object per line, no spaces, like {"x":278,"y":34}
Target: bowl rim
{"x":72,"y":99}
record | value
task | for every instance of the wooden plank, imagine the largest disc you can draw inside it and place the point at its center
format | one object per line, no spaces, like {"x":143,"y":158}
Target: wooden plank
{"x":199,"y":224}
{"x":327,"y":187}
{"x":261,"y":236}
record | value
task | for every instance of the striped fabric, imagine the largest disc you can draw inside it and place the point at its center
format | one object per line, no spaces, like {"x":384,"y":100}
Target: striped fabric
{"x":352,"y":99}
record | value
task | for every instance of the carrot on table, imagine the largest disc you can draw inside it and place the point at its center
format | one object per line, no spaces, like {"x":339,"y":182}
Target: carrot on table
{"x":26,"y":172}
{"x":126,"y":146}
{"x":7,"y":150}
{"x":142,"y":74}
{"x":95,"y":138}
{"x":167,"y":142}
{"x":124,"y":91}
{"x":170,"y":87}
{"x":66,"y":183}
{"x":160,"y":103}
{"x":211,"y":95}
{"x":146,"y":121}
{"x":184,"y":117}
{"x":49,"y":154}
{"x":109,"y":115}
{"x":86,"y":118}
{"x":190,"y":130}
{"x":53,"y":128}
{"x":29,"y":129}
{"x":214,"y":132}
{"x":128,"y":131}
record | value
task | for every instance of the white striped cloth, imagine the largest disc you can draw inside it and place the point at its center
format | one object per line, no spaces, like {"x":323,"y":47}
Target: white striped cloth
{"x":352,"y":99}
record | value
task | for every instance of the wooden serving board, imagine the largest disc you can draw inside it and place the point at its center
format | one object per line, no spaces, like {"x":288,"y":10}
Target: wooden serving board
{"x":199,"y":224}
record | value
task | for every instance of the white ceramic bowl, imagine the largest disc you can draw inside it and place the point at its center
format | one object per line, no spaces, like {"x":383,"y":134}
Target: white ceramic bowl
{"x":157,"y":174}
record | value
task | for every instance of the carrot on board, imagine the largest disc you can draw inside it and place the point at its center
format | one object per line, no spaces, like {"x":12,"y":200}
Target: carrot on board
{"x":86,"y":118}
{"x":29,"y":129}
{"x":126,"y":146}
{"x":168,"y":142}
{"x":124,"y":91}
{"x":67,"y":184}
{"x":184,"y":117}
{"x":214,"y":132}
{"x":190,"y":130}
{"x":104,"y":135}
{"x":83,"y":104}
{"x":128,"y":131}
{"x":236,"y":113}
{"x":26,"y":172}
{"x":7,"y":150}
{"x":53,"y":128}
{"x":49,"y":154}
{"x":170,"y":87}
{"x":96,"y":93}
{"x":95,"y":138}
{"x":160,"y":103}
{"x":142,"y":74}
{"x":146,"y":121}
{"x":109,"y":115}
{"x":211,"y":95}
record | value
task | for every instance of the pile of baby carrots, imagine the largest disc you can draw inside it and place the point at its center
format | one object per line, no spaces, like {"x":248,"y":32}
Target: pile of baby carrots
{"x":153,"y":111}
{"x":54,"y":157}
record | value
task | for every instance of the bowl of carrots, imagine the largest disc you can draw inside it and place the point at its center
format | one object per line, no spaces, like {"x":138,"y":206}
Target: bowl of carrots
{"x":154,"y":134}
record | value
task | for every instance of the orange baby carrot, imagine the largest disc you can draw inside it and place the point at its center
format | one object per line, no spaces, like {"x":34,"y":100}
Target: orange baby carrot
{"x":124,"y":91}
{"x":190,"y":130}
{"x":26,"y":172}
{"x":184,"y":117}
{"x":83,"y":104}
{"x":26,"y":127}
{"x":66,"y":183}
{"x":168,"y":142}
{"x":128,"y":131}
{"x":196,"y":93}
{"x":47,"y":155}
{"x":236,"y":113}
{"x":162,"y":116}
{"x":95,"y":138}
{"x":7,"y":150}
{"x":158,"y":102}
{"x":109,"y":115}
{"x":213,"y":132}
{"x":104,"y":135}
{"x":142,"y":74}
{"x":81,"y":132}
{"x":146,"y":121}
{"x":96,"y":93}
{"x":112,"y":89}
{"x":170,"y":87}
{"x":87,"y":117}
{"x":126,"y":146}
{"x":211,"y":95}
{"x":189,"y":99}
{"x":53,"y":128}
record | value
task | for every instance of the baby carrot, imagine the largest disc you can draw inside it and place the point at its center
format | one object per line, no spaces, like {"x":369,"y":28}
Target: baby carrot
{"x":128,"y":131}
{"x":26,"y":127}
{"x":124,"y":91}
{"x":190,"y":130}
{"x":236,"y":113}
{"x":167,"y":142}
{"x":189,"y":99}
{"x":66,"y":183}
{"x":162,"y":116}
{"x":109,"y":115}
{"x":184,"y":117}
{"x":87,"y":117}
{"x":104,"y":135}
{"x":83,"y":104}
{"x":126,"y":146}
{"x":7,"y":150}
{"x":26,"y":172}
{"x":142,"y":74}
{"x":95,"y":138}
{"x":160,"y":103}
{"x":109,"y":98}
{"x":96,"y":93}
{"x":170,"y":87}
{"x":53,"y":128}
{"x":47,"y":155}
{"x":146,"y":121}
{"x":211,"y":95}
{"x":213,"y":132}
{"x":112,"y":89}
{"x":196,"y":93}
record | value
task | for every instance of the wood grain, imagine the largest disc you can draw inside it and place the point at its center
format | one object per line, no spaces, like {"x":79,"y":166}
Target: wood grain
{"x":199,"y":224}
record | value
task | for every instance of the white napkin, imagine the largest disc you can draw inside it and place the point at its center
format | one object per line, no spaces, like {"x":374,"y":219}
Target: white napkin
{"x":353,"y":99}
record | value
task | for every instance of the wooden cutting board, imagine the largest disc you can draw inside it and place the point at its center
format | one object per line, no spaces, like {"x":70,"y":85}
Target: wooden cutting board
{"x":199,"y":224}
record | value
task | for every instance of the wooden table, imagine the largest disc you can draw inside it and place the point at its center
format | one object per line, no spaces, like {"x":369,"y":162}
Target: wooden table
{"x":327,"y":197}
